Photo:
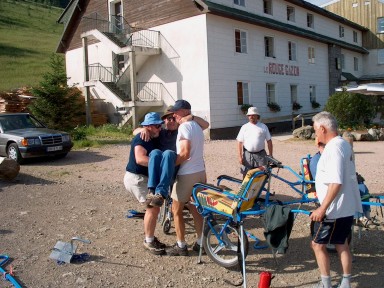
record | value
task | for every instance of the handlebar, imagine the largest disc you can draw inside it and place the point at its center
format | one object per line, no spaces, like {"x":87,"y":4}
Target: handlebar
{"x":272,"y":162}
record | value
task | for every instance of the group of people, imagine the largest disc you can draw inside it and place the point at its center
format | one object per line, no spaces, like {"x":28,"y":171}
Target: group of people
{"x":172,"y":158}
{"x":161,"y":160}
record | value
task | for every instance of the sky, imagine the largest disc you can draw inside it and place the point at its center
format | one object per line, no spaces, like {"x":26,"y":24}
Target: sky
{"x":317,"y":2}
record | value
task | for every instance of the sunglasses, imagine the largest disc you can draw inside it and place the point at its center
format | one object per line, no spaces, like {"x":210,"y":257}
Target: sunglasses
{"x":157,"y":126}
{"x":170,"y":118}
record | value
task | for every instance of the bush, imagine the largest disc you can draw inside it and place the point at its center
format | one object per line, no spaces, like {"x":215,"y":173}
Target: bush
{"x":351,"y":109}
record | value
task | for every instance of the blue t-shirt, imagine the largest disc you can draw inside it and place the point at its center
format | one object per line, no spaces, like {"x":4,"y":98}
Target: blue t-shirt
{"x":132,"y":166}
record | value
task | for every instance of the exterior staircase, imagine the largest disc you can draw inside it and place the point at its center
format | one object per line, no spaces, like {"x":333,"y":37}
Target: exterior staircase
{"x":114,"y":84}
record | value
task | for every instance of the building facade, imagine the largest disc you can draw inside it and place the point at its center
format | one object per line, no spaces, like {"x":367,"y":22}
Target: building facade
{"x":218,"y":55}
{"x":370,"y":14}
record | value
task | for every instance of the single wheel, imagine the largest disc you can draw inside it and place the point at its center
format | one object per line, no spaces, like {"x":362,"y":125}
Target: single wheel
{"x":167,"y":225}
{"x":163,"y":213}
{"x":224,"y":254}
{"x":14,"y":153}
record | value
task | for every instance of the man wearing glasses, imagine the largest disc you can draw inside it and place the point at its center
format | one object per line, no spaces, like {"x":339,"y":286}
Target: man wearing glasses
{"x":136,"y":179}
{"x":161,"y":168}
{"x":251,"y":142}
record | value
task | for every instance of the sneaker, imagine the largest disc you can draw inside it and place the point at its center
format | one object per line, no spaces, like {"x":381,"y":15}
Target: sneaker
{"x":196,"y":248}
{"x":148,"y":198}
{"x":156,"y":200}
{"x":177,"y":251}
{"x":158,"y":243}
{"x":155,"y":247}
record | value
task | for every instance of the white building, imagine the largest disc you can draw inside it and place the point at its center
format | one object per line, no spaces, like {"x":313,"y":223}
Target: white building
{"x":217,"y":55}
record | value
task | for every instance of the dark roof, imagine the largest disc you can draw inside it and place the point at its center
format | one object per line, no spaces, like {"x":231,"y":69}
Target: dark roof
{"x":251,"y":18}
{"x":349,"y":76}
{"x":67,"y":18}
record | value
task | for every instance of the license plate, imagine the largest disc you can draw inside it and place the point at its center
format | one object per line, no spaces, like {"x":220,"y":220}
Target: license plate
{"x":54,"y":148}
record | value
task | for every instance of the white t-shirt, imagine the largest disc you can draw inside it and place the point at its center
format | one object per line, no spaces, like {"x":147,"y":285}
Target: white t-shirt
{"x":336,"y":166}
{"x":191,"y":131}
{"x":253,"y":136}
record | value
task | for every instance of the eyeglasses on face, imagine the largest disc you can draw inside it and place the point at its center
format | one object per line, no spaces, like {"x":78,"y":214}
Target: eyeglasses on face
{"x":170,"y":118}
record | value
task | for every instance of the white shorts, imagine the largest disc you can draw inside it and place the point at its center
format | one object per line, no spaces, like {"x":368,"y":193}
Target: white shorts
{"x":137,"y":185}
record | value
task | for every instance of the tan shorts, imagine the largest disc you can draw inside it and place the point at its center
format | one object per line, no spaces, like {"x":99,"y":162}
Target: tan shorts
{"x":137,"y":185}
{"x":182,"y":190}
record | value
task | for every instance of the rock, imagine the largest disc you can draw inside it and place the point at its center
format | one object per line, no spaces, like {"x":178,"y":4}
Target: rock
{"x":303,"y":132}
{"x":9,"y":168}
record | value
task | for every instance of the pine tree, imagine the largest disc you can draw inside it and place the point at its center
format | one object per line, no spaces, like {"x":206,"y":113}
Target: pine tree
{"x":57,"y":105}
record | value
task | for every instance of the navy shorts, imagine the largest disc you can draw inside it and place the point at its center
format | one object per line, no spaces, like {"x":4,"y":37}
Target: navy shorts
{"x":332,"y":231}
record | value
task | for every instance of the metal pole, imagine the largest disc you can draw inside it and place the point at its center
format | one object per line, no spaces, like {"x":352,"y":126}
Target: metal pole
{"x":84,"y":41}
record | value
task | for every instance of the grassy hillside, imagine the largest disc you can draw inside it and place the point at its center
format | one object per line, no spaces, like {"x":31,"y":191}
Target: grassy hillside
{"x":29,"y":34}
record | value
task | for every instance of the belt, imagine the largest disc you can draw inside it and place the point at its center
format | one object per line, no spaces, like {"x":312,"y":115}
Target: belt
{"x":254,"y":152}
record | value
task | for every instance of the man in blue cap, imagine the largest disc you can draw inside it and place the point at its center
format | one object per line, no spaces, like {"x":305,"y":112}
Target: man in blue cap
{"x":162,"y":160}
{"x":136,"y":179}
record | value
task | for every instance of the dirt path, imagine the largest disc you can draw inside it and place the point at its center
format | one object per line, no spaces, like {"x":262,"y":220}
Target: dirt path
{"x":83,"y":195}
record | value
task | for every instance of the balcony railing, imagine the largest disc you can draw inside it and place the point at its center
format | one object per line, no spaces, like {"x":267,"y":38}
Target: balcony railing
{"x":99,"y":72}
{"x":130,"y":36}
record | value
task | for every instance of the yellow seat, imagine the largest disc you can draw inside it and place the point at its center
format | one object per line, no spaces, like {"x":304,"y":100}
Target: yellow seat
{"x":228,"y":201}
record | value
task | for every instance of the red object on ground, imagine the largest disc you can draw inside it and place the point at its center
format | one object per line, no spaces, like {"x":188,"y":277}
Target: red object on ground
{"x":265,"y":280}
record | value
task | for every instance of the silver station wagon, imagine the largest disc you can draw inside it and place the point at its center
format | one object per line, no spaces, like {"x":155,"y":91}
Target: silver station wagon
{"x":22,"y":136}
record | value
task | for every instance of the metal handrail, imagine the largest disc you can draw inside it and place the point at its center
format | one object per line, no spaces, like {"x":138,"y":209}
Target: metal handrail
{"x":149,"y":91}
{"x":99,"y":72}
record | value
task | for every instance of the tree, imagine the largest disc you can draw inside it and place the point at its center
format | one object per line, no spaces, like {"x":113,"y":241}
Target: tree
{"x":57,"y":105}
{"x":351,"y":109}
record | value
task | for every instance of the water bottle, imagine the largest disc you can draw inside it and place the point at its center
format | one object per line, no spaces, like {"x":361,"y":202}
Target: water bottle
{"x":265,"y":280}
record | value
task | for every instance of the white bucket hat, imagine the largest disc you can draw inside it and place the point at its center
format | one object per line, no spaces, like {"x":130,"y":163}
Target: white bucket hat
{"x":253,"y":111}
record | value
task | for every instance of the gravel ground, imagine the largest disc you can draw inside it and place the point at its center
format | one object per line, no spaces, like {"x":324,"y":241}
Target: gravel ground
{"x":83,"y":195}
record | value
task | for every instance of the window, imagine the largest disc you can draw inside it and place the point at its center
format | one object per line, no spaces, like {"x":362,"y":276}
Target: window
{"x":342,"y":60}
{"x":291,"y":51}
{"x":242,"y":93}
{"x":311,"y":55}
{"x":380,"y":25}
{"x":380,"y":56}
{"x":312,"y":93}
{"x":355,"y":64}
{"x":341,"y":31}
{"x":355,"y":36}
{"x":268,"y":46}
{"x":239,"y":2}
{"x":267,"y":5}
{"x":293,"y":94}
{"x":270,"y":91}
{"x":241,"y":41}
{"x":290,"y":13}
{"x":310,"y":23}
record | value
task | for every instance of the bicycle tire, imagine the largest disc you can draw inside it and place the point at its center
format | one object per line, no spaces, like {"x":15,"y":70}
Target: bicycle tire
{"x":167,"y":226}
{"x":223,"y":255}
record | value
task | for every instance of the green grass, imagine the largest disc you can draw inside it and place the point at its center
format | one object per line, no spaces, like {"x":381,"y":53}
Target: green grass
{"x":29,"y":35}
{"x":95,"y":137}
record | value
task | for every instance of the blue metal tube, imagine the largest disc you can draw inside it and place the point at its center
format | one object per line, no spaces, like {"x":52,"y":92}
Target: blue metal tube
{"x":8,"y":276}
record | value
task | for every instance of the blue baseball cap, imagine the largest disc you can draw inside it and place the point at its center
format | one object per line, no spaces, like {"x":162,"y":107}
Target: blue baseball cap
{"x":152,"y":118}
{"x":180,"y":104}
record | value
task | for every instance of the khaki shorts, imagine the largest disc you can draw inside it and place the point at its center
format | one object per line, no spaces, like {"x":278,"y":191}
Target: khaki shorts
{"x":137,"y":185}
{"x":182,"y":190}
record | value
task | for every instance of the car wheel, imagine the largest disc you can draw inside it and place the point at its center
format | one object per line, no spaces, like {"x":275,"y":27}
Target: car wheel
{"x":14,"y":153}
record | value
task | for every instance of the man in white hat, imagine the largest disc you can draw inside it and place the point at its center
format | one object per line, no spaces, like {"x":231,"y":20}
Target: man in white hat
{"x":251,"y":142}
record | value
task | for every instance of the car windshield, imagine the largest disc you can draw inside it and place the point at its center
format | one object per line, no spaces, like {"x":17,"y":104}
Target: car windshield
{"x":14,"y":122}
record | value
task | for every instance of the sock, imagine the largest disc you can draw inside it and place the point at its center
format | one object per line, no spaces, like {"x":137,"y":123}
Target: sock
{"x":346,"y":281}
{"x":151,"y":190}
{"x":149,"y":239}
{"x":181,"y":244}
{"x":326,"y":280}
